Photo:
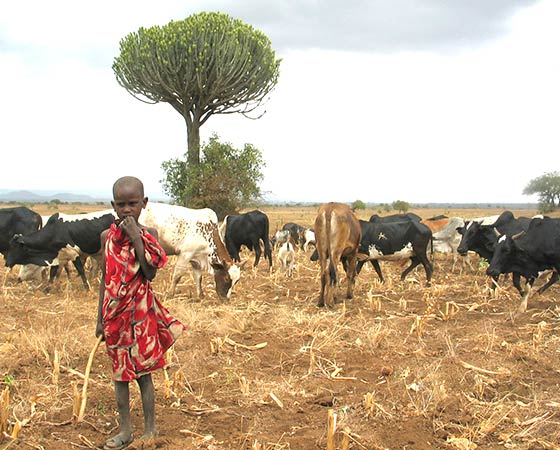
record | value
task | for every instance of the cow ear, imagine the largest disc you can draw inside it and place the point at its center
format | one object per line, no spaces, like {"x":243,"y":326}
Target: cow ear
{"x":218,"y":266}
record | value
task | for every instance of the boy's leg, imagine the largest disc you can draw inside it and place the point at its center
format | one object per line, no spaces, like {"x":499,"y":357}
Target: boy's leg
{"x":124,"y":437}
{"x":148,"y":405}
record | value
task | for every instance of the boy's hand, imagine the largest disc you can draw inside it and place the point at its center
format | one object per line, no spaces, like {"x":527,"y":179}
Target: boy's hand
{"x":99,"y":331}
{"x":130,"y":227}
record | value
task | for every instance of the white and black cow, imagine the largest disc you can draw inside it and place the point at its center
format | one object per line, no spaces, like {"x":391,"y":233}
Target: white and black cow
{"x":58,"y":237}
{"x":395,"y":241}
{"x":287,"y":257}
{"x":247,"y":229}
{"x":18,"y":220}
{"x":66,"y":255}
{"x":309,"y":239}
{"x":192,"y":235}
{"x":280,"y":238}
{"x":482,"y":238}
{"x":297,"y":233}
{"x":528,"y":253}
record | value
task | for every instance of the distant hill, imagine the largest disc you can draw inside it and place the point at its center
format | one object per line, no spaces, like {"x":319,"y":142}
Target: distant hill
{"x":32,"y":197}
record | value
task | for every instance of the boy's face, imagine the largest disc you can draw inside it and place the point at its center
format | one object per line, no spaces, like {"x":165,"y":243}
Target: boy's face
{"x":129,"y":201}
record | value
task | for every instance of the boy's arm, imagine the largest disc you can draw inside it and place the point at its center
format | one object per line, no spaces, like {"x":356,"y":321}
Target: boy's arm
{"x":132,"y":229}
{"x":99,"y":326}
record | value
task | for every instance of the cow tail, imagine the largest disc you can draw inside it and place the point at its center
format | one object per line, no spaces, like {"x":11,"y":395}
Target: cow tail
{"x":266,"y":239}
{"x":332,"y":268}
{"x":432,"y":246}
{"x":332,"y":272}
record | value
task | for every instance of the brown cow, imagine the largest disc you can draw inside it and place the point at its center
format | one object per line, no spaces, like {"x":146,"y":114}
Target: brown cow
{"x":436,"y":223}
{"x":338,"y":235}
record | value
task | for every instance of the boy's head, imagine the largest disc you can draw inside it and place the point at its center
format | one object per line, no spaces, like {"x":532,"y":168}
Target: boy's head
{"x":128,"y":197}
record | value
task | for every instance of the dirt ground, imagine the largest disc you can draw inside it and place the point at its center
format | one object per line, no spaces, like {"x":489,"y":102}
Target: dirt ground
{"x":400,"y":366}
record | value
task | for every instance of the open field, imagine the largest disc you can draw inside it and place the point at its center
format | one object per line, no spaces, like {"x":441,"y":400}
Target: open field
{"x":401,"y":366}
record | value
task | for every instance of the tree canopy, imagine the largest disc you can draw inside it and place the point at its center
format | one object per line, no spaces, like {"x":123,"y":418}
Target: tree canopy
{"x":208,"y":63}
{"x":226,"y":180}
{"x":548,"y":188}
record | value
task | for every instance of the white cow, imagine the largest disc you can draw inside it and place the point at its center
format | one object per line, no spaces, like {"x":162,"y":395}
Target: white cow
{"x":192,"y":235}
{"x":309,"y":238}
{"x":287,"y":257}
{"x":447,"y":239}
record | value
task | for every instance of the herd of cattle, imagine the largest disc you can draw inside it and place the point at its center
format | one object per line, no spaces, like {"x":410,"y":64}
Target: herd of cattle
{"x":524,"y":247}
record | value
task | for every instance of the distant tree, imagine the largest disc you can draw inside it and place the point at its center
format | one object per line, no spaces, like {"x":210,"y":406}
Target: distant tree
{"x":386,"y":207}
{"x":206,"y":64}
{"x":226,"y":180}
{"x":548,"y":188}
{"x":358,"y":204}
{"x":401,"y":206}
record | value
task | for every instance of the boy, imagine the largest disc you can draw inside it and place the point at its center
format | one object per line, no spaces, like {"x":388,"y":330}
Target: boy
{"x":137,"y":329}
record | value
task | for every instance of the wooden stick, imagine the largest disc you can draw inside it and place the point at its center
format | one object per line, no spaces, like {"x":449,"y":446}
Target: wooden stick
{"x":331,"y":430}
{"x":86,"y":378}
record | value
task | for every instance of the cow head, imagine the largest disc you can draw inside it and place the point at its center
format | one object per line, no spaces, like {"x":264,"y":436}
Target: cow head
{"x":476,"y":237}
{"x":226,"y":276}
{"x":504,"y":255}
{"x":40,"y":247}
{"x":22,"y":253}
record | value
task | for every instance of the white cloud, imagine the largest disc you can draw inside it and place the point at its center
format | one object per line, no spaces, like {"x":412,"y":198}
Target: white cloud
{"x":470,"y":124}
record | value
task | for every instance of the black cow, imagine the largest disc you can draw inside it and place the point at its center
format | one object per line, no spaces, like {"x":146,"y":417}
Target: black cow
{"x":248,"y":229}
{"x":80,"y":237}
{"x":297,"y":232}
{"x":528,"y":253}
{"x":395,"y":241}
{"x":482,"y":239}
{"x":395,"y":218}
{"x":18,"y":220}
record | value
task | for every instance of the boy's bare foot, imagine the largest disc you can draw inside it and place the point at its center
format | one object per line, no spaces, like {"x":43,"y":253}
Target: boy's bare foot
{"x":118,"y":442}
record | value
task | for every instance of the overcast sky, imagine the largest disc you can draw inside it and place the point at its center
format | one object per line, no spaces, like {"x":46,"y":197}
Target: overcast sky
{"x":377,"y":100}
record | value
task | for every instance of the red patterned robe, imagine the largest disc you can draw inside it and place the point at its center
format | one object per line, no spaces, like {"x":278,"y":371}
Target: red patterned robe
{"x":138,"y":329}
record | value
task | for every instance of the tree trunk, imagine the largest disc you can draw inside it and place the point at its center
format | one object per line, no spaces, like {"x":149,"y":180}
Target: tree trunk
{"x":193,"y":156}
{"x":193,"y":142}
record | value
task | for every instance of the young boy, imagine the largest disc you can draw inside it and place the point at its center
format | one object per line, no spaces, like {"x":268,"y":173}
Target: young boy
{"x":136,"y":327}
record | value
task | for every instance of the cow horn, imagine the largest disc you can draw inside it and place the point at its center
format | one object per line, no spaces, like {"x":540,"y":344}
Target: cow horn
{"x":498,"y":234}
{"x":518,"y":235}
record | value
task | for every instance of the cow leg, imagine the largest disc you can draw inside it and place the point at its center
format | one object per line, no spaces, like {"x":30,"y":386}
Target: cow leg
{"x":80,"y":268}
{"x":523,"y":305}
{"x":414,"y":261}
{"x":516,"y":279}
{"x":268,"y":253}
{"x":377,"y":268}
{"x":53,"y":273}
{"x":257,"y":248}
{"x":178,"y":272}
{"x":428,"y":268}
{"x":553,"y":279}
{"x":197,"y":276}
{"x":351,"y":275}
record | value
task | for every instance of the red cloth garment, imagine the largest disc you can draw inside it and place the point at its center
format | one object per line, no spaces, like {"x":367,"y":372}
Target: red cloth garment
{"x":138,"y":328}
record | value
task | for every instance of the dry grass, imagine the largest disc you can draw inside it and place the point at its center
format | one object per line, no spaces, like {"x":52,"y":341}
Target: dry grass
{"x":401,"y":365}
